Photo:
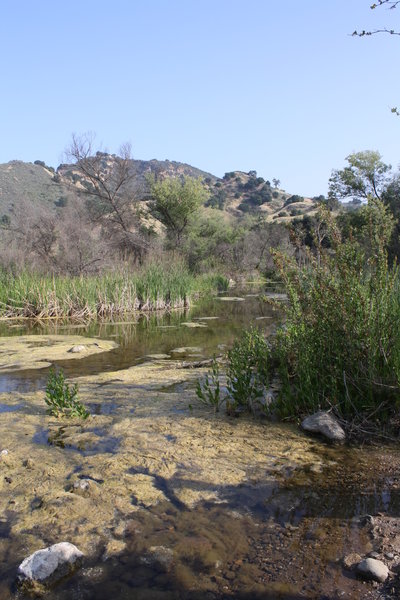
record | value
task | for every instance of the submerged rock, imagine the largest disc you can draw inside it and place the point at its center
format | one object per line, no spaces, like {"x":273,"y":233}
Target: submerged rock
{"x":49,"y":564}
{"x":86,"y":487}
{"x":187,"y":350}
{"x":325,"y":424}
{"x":158,"y":557}
{"x":370,"y":568}
{"x":351,"y":560}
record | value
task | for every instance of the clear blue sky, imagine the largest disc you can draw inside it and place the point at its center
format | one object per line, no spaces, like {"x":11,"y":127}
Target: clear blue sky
{"x":278,"y":86}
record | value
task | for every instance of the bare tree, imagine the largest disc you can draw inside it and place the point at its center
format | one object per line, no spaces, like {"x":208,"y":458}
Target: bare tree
{"x":42,"y":239}
{"x":106,"y":180}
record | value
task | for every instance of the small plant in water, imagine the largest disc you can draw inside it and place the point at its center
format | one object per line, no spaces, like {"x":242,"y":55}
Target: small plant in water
{"x":61,"y":398}
{"x":247,"y":372}
{"x":208,"y":390}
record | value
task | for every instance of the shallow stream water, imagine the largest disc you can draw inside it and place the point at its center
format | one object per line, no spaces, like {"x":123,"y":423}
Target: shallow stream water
{"x":183,"y":504}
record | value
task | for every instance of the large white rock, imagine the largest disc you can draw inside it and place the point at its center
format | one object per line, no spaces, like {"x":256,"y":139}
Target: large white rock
{"x":370,"y":568}
{"x":324,"y":423}
{"x":49,"y":564}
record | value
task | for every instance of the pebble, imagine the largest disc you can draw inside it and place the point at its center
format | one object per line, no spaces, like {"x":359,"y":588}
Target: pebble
{"x":389,"y":555}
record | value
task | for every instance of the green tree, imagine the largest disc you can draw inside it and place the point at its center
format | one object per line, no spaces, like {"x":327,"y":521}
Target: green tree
{"x":365,"y":175}
{"x":174,"y":202}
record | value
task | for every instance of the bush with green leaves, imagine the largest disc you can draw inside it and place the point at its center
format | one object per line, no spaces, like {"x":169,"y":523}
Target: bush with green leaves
{"x":247,"y":370}
{"x":208,"y":390}
{"x":247,"y":375}
{"x":340,"y":345}
{"x":61,"y":398}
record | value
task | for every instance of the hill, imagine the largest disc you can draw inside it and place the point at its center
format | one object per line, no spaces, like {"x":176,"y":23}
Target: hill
{"x":237,"y":193}
{"x":32,"y":182}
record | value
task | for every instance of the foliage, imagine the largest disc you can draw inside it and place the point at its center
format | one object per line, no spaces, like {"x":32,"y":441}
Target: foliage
{"x":210,"y":243}
{"x":174,"y":203}
{"x":247,"y":370}
{"x":365,"y":175}
{"x":61,"y":398}
{"x":247,"y":375}
{"x":208,"y":389}
{"x":293,"y":199}
{"x":156,"y":285}
{"x":340,"y":345}
{"x":217,"y":200}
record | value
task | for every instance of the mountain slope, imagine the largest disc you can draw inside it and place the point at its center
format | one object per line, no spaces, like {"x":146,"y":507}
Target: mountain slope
{"x":237,"y":193}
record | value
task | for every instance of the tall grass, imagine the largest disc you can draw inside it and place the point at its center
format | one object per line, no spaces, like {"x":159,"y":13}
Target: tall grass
{"x":340,"y":345}
{"x":156,"y":286}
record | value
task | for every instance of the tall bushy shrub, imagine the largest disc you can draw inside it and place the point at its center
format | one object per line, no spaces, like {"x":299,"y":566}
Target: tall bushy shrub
{"x":340,"y":345}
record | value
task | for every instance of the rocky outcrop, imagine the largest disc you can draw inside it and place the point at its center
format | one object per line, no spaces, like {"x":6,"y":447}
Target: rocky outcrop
{"x":325,"y":424}
{"x":48,"y":565}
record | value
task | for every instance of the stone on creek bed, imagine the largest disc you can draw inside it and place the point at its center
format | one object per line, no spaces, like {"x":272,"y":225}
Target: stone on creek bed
{"x":326,"y":425}
{"x":50,"y":564}
{"x":370,"y":568}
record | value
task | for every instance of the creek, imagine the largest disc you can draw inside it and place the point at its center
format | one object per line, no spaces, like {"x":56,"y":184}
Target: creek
{"x":180,"y":503}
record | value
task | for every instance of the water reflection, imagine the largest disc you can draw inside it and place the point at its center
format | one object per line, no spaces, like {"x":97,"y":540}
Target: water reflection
{"x":147,"y":337}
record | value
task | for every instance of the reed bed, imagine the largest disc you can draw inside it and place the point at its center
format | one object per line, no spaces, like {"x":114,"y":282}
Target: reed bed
{"x":154,"y":287}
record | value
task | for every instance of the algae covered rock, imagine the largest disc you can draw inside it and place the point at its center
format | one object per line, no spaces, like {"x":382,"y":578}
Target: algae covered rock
{"x":351,"y":561}
{"x":159,"y":558}
{"x":48,"y":565}
{"x":326,"y":425}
